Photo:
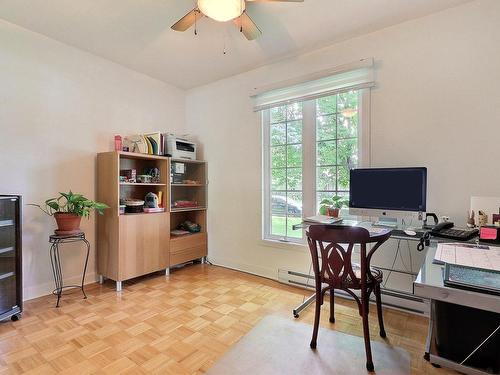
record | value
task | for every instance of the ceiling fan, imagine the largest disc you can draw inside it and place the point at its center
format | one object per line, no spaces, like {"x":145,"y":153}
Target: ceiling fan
{"x":222,"y":11}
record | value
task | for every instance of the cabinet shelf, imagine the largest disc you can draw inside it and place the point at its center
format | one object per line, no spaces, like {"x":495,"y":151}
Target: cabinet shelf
{"x":141,"y":184}
{"x":187,"y":209}
{"x":7,"y":250}
{"x":188,"y":185}
{"x":6,"y":275}
{"x":6,"y":223}
{"x":174,"y":238}
{"x":143,"y":213}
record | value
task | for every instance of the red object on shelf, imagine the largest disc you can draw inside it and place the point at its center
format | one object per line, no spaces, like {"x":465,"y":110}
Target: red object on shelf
{"x":118,"y":143}
{"x":184,"y":204}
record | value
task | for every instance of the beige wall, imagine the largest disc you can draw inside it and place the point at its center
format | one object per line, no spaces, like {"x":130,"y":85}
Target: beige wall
{"x":59,"y":106}
{"x":436,"y":104}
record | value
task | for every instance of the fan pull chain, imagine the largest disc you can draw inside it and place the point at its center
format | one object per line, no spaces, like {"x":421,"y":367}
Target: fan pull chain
{"x":241,"y":13}
{"x":195,"y":21}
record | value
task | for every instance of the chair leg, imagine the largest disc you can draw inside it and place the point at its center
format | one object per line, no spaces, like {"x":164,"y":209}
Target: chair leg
{"x":316,"y":319}
{"x":332,"y":307}
{"x":379,"y":311}
{"x":366,"y":330}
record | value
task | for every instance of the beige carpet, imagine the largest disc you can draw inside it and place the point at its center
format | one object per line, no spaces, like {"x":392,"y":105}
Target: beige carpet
{"x":281,"y":346}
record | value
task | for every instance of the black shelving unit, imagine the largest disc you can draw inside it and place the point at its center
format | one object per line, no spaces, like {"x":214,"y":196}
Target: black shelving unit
{"x":11,"y":290}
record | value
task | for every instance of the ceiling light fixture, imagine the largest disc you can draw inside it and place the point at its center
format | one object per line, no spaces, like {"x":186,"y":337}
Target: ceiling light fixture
{"x":222,"y":10}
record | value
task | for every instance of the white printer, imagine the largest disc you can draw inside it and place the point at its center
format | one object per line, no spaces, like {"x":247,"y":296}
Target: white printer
{"x":179,"y":148}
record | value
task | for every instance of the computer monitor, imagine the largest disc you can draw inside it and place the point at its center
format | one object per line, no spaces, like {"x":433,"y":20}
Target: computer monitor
{"x":387,"y":192}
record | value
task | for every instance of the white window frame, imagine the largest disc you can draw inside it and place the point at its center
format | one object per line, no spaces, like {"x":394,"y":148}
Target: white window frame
{"x":309,"y":160}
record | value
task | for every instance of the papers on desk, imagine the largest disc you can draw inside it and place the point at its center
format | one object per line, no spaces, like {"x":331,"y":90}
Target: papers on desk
{"x":321,"y":219}
{"x":478,"y":256}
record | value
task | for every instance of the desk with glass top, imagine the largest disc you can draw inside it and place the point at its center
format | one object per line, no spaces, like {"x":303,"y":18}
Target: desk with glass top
{"x":395,"y":234}
{"x":464,"y":325}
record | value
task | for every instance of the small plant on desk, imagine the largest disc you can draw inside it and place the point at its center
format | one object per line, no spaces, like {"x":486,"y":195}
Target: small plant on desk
{"x":68,"y":210}
{"x":332,"y":206}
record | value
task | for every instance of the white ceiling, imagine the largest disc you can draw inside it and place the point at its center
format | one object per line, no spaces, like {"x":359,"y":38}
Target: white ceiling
{"x":137,"y":34}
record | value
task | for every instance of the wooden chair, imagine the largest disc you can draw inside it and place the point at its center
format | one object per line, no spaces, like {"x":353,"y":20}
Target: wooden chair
{"x":334,"y":245}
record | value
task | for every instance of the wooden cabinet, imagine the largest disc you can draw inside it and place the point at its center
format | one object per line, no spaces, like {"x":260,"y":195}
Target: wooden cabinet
{"x":192,"y":186}
{"x":11,"y":286}
{"x":144,"y":243}
{"x":132,"y":245}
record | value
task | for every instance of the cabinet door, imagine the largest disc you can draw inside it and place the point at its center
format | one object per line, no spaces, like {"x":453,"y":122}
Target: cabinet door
{"x":144,"y":244}
{"x":8,"y":207}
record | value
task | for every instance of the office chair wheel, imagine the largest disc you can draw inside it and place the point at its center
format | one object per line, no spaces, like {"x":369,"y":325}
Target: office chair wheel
{"x":295,"y":316}
{"x":435,"y":365}
{"x":382,"y":334}
{"x":332,"y":320}
{"x":369,"y":367}
{"x":313,"y":345}
{"x":427,"y":357}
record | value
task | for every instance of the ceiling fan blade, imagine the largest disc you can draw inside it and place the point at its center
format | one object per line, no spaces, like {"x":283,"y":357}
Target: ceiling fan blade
{"x":187,"y":21}
{"x":247,"y":26}
{"x":275,"y":1}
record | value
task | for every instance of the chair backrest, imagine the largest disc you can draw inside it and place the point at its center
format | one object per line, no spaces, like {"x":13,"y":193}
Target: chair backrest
{"x":334,"y":244}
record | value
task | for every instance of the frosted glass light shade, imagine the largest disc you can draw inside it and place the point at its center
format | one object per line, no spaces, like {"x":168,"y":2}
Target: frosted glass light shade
{"x":222,"y":10}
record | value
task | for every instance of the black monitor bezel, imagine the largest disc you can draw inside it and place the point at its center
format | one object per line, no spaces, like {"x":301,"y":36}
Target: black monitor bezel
{"x":424,"y":189}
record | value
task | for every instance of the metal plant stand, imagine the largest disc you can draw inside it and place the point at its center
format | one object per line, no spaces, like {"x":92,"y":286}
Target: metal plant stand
{"x":55,"y":241}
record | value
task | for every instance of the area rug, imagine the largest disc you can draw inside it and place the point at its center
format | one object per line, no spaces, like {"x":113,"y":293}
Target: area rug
{"x":278,"y":345}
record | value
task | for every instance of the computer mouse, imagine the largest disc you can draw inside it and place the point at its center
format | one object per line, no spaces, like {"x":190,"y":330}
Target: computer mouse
{"x":410,"y":232}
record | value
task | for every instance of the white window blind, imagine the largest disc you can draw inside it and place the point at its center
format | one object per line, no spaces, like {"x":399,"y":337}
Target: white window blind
{"x":353,"y":76}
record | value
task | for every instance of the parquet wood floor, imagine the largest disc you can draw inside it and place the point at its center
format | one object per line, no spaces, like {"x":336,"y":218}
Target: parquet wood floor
{"x":179,"y":325}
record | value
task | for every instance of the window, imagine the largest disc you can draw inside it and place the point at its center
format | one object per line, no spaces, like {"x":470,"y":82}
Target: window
{"x":308,"y":149}
{"x":336,"y":144}
{"x":285,"y":169}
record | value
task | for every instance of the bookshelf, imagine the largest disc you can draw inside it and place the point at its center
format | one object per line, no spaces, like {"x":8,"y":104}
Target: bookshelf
{"x":135,"y":244}
{"x":188,"y":184}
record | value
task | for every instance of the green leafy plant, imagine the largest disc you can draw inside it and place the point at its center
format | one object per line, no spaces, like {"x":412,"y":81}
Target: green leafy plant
{"x":334,"y":202}
{"x":72,"y":203}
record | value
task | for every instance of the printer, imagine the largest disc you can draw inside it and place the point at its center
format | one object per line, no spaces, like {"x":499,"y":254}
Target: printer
{"x":179,"y":148}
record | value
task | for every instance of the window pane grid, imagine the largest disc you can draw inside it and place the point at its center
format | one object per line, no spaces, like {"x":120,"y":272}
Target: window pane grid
{"x":320,"y":135}
{"x":286,"y":170}
{"x":335,"y":135}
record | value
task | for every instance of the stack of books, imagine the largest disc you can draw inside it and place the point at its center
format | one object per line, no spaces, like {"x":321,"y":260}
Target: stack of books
{"x":148,"y":143}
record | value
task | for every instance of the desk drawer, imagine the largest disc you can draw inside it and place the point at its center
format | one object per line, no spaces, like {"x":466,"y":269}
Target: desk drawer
{"x":181,"y":244}
{"x":187,"y":255}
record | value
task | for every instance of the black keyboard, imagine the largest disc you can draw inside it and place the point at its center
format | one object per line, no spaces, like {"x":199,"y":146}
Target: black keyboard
{"x":457,"y":234}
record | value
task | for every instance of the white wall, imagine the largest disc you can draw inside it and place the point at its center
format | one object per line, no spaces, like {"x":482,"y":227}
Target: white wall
{"x":436,"y":104}
{"x":59,"y":106}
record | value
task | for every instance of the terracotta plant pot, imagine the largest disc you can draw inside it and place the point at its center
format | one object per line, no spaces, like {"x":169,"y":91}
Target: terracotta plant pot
{"x":67,"y":223}
{"x":333,"y":212}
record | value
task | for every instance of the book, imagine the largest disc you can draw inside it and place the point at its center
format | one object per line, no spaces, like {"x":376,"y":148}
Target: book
{"x":154,"y":209}
{"x":321,"y":219}
{"x":154,"y":140}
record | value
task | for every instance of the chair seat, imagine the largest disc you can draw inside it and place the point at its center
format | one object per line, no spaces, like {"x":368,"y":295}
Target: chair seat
{"x":377,"y":274}
{"x":356,"y":268}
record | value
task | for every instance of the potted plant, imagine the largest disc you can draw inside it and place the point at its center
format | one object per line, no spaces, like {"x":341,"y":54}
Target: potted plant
{"x":332,"y":206}
{"x":68,"y":210}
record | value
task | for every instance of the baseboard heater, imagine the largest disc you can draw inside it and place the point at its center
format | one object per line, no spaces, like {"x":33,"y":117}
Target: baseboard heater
{"x":394,"y":298}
